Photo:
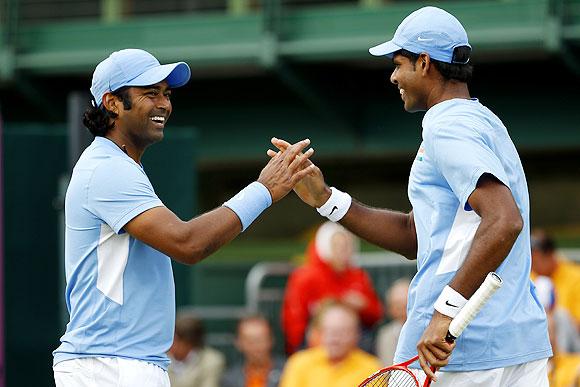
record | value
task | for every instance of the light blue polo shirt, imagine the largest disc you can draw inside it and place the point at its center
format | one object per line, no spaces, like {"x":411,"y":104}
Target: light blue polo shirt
{"x":462,"y":140}
{"x":119,"y":292}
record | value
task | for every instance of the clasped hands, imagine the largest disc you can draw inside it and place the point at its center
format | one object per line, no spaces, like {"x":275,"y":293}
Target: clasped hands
{"x":303,"y":176}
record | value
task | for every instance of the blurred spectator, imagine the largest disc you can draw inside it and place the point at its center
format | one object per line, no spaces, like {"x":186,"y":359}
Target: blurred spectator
{"x":193,"y":364}
{"x":329,"y":273}
{"x":563,"y":368}
{"x":337,"y":362}
{"x":567,"y":336}
{"x":565,"y":275}
{"x":258,"y":369}
{"x":396,"y":310}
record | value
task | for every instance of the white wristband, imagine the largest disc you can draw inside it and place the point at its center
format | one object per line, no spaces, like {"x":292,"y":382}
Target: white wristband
{"x":336,"y":206}
{"x":450,"y":302}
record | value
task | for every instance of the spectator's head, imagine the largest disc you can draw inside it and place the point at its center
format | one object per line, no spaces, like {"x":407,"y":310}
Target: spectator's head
{"x":339,"y":330}
{"x":335,"y":245}
{"x":396,"y":300}
{"x":544,"y":258}
{"x":255,"y":339}
{"x":189,"y":335}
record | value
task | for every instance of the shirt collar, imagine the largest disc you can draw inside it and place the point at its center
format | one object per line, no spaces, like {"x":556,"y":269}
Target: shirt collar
{"x":106,"y":142}
{"x":436,"y":109}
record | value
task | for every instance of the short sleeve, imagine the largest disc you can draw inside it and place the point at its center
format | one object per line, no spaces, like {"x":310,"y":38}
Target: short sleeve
{"x":118,"y":191}
{"x":462,"y":156}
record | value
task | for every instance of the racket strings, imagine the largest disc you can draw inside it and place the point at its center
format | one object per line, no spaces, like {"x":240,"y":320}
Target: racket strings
{"x":392,"y":378}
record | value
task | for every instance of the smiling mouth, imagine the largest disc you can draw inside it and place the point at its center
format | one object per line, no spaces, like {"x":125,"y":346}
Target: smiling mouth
{"x":158,"y":120}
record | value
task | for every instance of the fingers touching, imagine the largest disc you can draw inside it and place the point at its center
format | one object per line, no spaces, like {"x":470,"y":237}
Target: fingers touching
{"x":280,"y":144}
{"x":286,"y":168}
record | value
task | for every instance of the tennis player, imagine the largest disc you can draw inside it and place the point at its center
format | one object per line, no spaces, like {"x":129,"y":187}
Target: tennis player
{"x":120,"y":237}
{"x":470,"y":216}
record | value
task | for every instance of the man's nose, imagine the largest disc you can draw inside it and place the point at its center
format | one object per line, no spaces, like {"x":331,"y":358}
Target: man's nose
{"x":164,"y":103}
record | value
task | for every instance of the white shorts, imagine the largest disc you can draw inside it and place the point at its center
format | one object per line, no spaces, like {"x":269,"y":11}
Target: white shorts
{"x":109,"y":372}
{"x":532,"y":374}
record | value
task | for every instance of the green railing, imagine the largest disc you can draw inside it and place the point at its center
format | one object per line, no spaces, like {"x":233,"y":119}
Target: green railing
{"x":268,"y":35}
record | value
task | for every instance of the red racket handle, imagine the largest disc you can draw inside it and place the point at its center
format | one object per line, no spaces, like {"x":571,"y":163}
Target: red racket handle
{"x":450,"y":339}
{"x":428,"y":380}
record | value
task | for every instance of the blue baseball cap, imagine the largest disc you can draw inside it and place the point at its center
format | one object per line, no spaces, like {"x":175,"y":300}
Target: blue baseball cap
{"x":134,"y":67}
{"x":429,"y":29}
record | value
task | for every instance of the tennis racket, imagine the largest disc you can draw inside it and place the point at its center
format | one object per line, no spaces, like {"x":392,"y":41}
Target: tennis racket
{"x":399,"y":375}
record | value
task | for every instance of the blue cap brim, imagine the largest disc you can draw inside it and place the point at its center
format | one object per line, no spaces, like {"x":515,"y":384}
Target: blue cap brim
{"x":176,"y":75}
{"x":384,"y":49}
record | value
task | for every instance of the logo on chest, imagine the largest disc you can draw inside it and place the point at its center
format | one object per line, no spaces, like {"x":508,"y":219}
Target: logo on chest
{"x":420,"y":154}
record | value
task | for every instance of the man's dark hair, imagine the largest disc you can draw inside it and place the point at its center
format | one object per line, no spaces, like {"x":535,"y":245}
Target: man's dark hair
{"x":96,"y":118}
{"x":460,"y":70}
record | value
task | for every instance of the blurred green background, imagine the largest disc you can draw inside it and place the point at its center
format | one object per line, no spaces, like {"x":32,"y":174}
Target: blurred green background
{"x":284,"y":68}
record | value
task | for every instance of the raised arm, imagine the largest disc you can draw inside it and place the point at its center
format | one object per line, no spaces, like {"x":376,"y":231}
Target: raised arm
{"x":185,"y":241}
{"x":191,"y":241}
{"x":391,"y":230}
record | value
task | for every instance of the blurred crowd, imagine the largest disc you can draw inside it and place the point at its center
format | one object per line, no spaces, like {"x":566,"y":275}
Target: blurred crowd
{"x":338,"y":331}
{"x":557,"y":282}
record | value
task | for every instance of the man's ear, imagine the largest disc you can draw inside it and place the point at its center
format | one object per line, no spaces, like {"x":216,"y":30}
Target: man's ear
{"x":424,"y":62}
{"x":111,"y":103}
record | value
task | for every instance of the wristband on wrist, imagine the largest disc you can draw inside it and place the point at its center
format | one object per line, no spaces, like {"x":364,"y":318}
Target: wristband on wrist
{"x":336,"y":206}
{"x":250,"y":202}
{"x":449,"y":302}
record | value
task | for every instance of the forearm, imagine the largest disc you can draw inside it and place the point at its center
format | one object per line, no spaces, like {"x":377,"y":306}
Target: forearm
{"x":391,"y":230}
{"x":206,"y":233}
{"x":185,"y":241}
{"x":492,"y":243}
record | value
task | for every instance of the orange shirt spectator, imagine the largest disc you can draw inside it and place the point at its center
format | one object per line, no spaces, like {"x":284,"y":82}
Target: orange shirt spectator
{"x":337,"y":362}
